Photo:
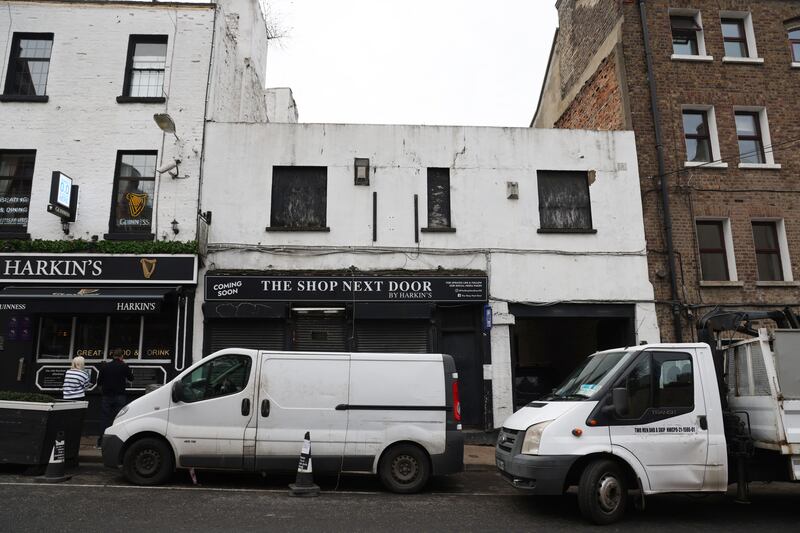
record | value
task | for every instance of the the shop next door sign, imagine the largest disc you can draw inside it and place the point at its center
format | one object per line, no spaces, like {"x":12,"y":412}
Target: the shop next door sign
{"x":346,"y":289}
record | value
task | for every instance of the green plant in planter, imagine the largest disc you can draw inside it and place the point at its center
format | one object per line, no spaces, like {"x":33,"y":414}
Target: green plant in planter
{"x":25,"y":397}
{"x":99,"y":247}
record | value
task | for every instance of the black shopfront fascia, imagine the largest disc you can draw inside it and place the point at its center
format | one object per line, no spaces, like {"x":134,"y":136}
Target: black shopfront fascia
{"x":316,"y":312}
{"x":94,"y":295}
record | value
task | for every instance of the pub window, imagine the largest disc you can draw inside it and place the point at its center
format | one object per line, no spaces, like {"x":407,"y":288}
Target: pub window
{"x":439,"y":198}
{"x":55,"y":337}
{"x":697,"y":136}
{"x":91,"y":336}
{"x":29,"y":64}
{"x":16,"y":175}
{"x":769,"y":242}
{"x":794,"y":43}
{"x":751,"y":139}
{"x":687,"y":34}
{"x":564,"y":204}
{"x":126,"y":333}
{"x":713,"y":238}
{"x":299,"y":198}
{"x":158,"y":338}
{"x":144,"y":73}
{"x":134,"y":185}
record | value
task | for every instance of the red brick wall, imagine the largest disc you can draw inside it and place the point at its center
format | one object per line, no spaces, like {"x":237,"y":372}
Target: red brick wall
{"x":738,"y":194}
{"x":598,"y":105}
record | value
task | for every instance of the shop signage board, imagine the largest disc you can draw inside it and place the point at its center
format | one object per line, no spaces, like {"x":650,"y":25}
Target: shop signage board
{"x":63,"y":197}
{"x":77,"y":268}
{"x":347,"y":289}
{"x":51,"y":377}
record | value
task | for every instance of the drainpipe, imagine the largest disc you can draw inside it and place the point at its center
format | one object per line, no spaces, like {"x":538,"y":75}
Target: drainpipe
{"x":673,"y":281}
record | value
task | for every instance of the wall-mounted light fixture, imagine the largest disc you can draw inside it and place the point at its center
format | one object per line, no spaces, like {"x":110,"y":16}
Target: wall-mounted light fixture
{"x":512,"y":190}
{"x":175,"y":228}
{"x":361,"y":171}
{"x":165,"y":122}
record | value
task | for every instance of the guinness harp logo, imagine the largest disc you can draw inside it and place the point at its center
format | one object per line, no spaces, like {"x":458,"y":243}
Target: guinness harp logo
{"x":136,"y":203}
{"x":148,"y":267}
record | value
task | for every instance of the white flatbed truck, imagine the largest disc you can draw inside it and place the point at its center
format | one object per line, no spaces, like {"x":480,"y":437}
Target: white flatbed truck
{"x":664,"y":418}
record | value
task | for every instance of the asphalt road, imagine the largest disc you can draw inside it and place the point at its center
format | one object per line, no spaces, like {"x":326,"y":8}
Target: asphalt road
{"x":96,"y":499}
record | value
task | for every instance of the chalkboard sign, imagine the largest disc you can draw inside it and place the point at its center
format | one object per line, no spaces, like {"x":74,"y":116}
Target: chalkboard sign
{"x":51,"y":377}
{"x":147,"y":375}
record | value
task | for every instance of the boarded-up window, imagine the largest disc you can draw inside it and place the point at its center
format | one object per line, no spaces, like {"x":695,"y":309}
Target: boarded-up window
{"x":438,"y":197}
{"x":299,"y":197}
{"x":564,"y":200}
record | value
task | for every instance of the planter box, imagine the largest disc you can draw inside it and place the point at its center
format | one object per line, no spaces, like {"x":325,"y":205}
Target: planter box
{"x":28,"y":430}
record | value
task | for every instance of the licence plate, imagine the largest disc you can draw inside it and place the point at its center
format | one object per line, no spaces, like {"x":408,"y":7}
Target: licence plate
{"x":500,"y":464}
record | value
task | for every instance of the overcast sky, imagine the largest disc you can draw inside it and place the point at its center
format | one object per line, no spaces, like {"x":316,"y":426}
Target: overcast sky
{"x":451,"y":62}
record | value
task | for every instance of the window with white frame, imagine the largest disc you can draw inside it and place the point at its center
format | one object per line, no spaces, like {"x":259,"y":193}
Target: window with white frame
{"x":688,"y":41}
{"x":700,"y":136}
{"x":752,"y":134}
{"x":738,"y":37}
{"x":715,"y":248}
{"x":772,"y":251}
{"x":794,"y":45}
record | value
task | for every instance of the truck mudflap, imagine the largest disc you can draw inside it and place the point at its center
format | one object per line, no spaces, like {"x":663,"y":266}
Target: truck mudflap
{"x":543,"y":475}
{"x":452,"y":460}
{"x":112,"y":451}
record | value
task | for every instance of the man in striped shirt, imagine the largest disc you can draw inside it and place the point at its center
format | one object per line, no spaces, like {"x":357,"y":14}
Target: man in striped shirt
{"x":76,"y":380}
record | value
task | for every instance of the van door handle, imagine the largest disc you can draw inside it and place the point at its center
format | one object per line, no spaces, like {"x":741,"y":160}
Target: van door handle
{"x":246,"y":407}
{"x":264,"y":408}
{"x":703,"y":421}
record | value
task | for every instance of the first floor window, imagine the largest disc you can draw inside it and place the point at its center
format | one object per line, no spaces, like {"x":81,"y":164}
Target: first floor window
{"x":794,"y":43}
{"x":134,"y":185}
{"x":713,"y":253}
{"x":439,"y":198}
{"x":685,"y":30}
{"x":768,"y":251}
{"x":299,"y":197}
{"x":734,"y":37}
{"x":697,"y":136}
{"x":751,"y":142}
{"x":16,"y":175}
{"x":564,"y":200}
{"x":29,"y":64}
{"x":147,"y":59}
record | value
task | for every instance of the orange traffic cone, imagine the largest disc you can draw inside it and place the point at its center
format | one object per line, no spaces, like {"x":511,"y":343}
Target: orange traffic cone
{"x":304,"y":483}
{"x":55,"y":468}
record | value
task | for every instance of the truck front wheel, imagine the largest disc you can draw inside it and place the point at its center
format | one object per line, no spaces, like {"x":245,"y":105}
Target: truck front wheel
{"x":602,"y":492}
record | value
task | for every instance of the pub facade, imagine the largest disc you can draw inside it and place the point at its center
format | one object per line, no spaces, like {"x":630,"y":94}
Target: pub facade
{"x":56,"y":307}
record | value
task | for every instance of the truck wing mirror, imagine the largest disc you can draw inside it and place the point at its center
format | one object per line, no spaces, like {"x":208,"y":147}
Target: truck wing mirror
{"x":177,"y":392}
{"x":619,"y":400}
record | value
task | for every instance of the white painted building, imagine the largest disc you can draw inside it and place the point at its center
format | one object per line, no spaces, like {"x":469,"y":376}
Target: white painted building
{"x":550,"y":218}
{"x":81,"y":82}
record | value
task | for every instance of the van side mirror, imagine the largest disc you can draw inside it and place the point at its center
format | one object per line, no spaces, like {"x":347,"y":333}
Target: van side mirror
{"x":619,"y":400}
{"x":177,"y":392}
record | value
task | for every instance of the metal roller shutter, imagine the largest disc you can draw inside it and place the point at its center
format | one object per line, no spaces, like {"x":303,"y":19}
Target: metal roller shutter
{"x":245,"y":333}
{"x":320,"y":333}
{"x":393,"y":336}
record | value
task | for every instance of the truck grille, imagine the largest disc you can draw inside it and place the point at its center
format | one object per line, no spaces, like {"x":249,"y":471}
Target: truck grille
{"x":506,"y":439}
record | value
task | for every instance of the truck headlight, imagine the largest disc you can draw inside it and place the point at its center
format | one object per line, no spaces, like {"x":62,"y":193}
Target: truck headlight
{"x":121,"y":413}
{"x":530,"y":444}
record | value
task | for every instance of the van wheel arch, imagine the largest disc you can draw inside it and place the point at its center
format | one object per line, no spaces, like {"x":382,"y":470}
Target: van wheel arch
{"x":574,"y":474}
{"x":407,"y":445}
{"x":147,"y":435}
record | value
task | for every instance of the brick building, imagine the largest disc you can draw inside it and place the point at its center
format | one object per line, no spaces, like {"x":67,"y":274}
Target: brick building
{"x":721,"y":195}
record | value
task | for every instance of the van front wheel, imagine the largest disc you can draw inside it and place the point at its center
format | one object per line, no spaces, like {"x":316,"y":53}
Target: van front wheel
{"x":148,"y":461}
{"x":602,"y":492}
{"x":404,"y":469}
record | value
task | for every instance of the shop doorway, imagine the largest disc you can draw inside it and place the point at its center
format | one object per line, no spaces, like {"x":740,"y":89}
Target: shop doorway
{"x":546,"y":349}
{"x":459,"y":336}
{"x":320,"y":330}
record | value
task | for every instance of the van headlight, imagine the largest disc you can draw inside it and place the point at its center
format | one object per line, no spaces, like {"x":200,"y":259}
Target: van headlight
{"x":530,"y":444}
{"x":121,"y":413}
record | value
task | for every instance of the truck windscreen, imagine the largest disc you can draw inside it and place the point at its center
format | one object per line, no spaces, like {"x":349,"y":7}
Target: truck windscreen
{"x":588,"y":377}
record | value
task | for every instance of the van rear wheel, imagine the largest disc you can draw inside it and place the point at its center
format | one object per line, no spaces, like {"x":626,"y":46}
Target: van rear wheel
{"x":602,"y":492}
{"x":404,"y":469}
{"x":148,"y":461}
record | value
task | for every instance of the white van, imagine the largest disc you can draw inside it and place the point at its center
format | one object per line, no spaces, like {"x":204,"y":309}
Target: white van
{"x":395,"y":415}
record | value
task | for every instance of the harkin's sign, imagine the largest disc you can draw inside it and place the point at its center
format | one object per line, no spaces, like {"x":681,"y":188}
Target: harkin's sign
{"x":74,"y":268}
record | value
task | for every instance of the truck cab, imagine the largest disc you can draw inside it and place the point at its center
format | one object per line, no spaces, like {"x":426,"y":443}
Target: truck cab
{"x":645,"y":417}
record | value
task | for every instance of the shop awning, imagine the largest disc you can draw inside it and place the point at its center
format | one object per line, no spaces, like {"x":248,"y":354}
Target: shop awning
{"x":135,"y":301}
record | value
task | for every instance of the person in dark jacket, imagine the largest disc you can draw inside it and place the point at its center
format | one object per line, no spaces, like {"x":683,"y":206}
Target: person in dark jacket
{"x":113,"y":379}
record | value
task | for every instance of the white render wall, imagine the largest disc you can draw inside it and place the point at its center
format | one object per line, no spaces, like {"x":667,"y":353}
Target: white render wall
{"x":493,"y":233}
{"x":79,"y":130}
